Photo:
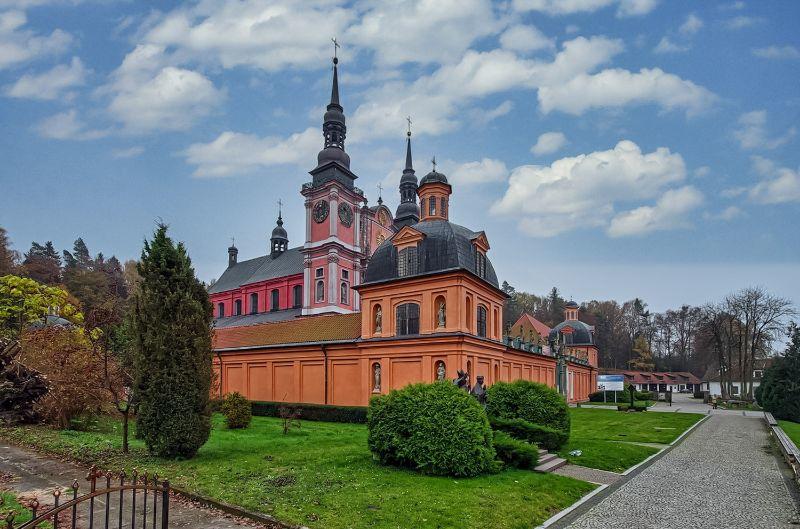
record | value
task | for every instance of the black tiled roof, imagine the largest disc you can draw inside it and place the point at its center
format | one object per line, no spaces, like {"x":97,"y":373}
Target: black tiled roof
{"x":255,"y":319}
{"x":582,"y":332}
{"x":446,"y":246}
{"x":261,"y":268}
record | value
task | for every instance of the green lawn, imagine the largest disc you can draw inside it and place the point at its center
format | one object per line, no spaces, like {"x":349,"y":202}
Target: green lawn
{"x":8,"y":502}
{"x":323,"y":476}
{"x":648,"y":403}
{"x":604,"y":436}
{"x":792,"y":429}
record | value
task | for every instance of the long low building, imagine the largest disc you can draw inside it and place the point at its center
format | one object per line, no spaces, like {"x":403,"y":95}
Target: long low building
{"x":658,"y":381}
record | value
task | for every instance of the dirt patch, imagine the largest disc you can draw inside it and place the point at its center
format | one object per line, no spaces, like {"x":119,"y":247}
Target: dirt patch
{"x":282,"y":481}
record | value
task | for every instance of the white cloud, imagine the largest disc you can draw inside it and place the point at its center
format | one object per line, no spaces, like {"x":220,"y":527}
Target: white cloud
{"x":733,"y":192}
{"x":666,"y":45}
{"x":146,"y":95}
{"x":742,"y":21}
{"x":130,"y":152}
{"x":484,"y":171}
{"x":583,"y":191}
{"x":780,"y":184}
{"x":67,"y":126}
{"x":702,"y":171}
{"x":777,"y":52}
{"x":617,"y":87}
{"x":234,"y":153}
{"x":422,"y":30}
{"x":484,"y":117}
{"x":19,"y":45}
{"x":668,"y":213}
{"x":549,"y":142}
{"x":752,"y":133}
{"x":50,"y":84}
{"x":727,"y":214}
{"x":691,"y":25}
{"x":625,"y":8}
{"x":525,"y":38}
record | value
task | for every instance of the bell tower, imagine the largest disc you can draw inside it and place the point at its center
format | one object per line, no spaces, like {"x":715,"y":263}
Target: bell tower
{"x":332,"y":252}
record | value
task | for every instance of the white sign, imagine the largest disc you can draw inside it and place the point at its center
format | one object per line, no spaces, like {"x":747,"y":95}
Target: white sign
{"x":611,"y":382}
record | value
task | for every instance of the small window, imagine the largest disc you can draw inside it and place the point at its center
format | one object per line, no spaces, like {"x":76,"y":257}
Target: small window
{"x":407,"y":262}
{"x":238,"y":307}
{"x":407,"y":319}
{"x":320,"y":291}
{"x":444,"y":207}
{"x":253,"y":303}
{"x":481,"y":321}
{"x":275,"y":303}
{"x":220,"y":310}
{"x":297,"y":293}
{"x":432,"y":206}
{"x":345,"y":274}
{"x":345,"y":293}
{"x":319,"y":272}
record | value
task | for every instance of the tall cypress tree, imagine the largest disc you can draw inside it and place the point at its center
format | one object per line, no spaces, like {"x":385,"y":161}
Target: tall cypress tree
{"x":171,"y":334}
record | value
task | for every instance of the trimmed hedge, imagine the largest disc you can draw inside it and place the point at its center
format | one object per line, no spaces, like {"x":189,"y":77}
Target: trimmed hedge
{"x":515,"y":453}
{"x":436,"y":429}
{"x":542,"y":436}
{"x":313,"y":412}
{"x":237,"y":410}
{"x":531,"y":401}
{"x":622,"y":396}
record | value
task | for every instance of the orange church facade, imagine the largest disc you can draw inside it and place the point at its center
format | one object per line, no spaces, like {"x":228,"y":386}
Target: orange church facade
{"x":373,"y":301}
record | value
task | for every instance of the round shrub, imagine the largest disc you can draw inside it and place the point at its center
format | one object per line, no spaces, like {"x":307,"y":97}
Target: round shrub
{"x":434,"y":428}
{"x":530,"y":401}
{"x":237,"y":410}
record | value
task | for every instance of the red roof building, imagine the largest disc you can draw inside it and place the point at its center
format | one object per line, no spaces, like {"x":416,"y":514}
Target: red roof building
{"x":658,"y":380}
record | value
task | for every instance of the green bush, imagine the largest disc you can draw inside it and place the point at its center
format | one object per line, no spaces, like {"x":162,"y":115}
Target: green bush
{"x":515,"y":453}
{"x":434,"y":428}
{"x":314,"y":412}
{"x":622,"y":396}
{"x":542,"y":436}
{"x":531,"y":401}
{"x":237,"y":411}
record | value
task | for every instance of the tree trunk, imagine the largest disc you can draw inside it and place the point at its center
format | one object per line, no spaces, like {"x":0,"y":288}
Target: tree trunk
{"x":125,"y":416}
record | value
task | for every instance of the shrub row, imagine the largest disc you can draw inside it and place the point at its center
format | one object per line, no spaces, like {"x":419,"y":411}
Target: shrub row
{"x":515,"y":453}
{"x":622,"y":396}
{"x":313,"y":412}
{"x":544,"y":437}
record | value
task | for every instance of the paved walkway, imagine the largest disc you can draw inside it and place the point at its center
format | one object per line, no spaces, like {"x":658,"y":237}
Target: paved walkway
{"x":31,"y":475}
{"x":722,"y":475}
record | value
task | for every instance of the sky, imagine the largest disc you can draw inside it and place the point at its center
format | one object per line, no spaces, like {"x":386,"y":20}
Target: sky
{"x":611,"y":148}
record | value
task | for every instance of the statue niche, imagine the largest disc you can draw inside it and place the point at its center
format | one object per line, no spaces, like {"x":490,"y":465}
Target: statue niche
{"x":442,"y":314}
{"x":376,"y":378}
{"x":441,"y":371}
{"x":378,"y":320}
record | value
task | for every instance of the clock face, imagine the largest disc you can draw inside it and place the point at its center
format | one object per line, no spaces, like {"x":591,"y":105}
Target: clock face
{"x":383,"y":219}
{"x":321,"y":209}
{"x":345,"y":215}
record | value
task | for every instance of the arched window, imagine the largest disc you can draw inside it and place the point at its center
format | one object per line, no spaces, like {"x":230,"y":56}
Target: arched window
{"x":220,"y":310}
{"x":275,"y":303}
{"x":469,"y":315}
{"x":320,"y":294}
{"x":344,"y":294}
{"x":253,"y":303}
{"x":481,"y":321}
{"x":407,"y":262}
{"x":444,"y":207}
{"x":407,"y":319}
{"x":432,"y":206}
{"x":297,"y":293}
{"x":496,"y":324}
{"x":238,"y":307}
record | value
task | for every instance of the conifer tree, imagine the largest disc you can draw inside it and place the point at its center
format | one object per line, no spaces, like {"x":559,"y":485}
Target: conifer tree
{"x":779,"y":392}
{"x":8,"y":257}
{"x":171,"y":335}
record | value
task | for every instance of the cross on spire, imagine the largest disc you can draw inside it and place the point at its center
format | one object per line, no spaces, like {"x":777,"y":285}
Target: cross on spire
{"x":433,"y":161}
{"x":408,"y":118}
{"x":380,"y":193}
{"x":233,"y":242}
{"x":336,"y":46}
{"x":280,"y":204}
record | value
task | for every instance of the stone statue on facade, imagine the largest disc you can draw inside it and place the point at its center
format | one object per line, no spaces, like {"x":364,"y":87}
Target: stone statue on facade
{"x":376,"y":373}
{"x":462,"y":380}
{"x":378,"y":320}
{"x":479,"y":390}
{"x":442,"y":314}
{"x":440,"y":370}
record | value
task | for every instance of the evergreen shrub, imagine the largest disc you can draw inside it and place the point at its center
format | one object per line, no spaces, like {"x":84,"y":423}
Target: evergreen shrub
{"x":313,"y":412}
{"x":237,"y":410}
{"x":536,"y":403}
{"x":514,"y":452}
{"x":542,"y":436}
{"x":434,"y":428}
{"x":779,"y":391}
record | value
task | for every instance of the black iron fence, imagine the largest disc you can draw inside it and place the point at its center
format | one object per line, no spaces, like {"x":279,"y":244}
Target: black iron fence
{"x":104,"y":505}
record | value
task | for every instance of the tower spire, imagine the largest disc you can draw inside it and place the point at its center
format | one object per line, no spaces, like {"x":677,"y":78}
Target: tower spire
{"x":335,"y":87}
{"x":408,"y":211}
{"x":334,"y":131}
{"x":409,"y":165}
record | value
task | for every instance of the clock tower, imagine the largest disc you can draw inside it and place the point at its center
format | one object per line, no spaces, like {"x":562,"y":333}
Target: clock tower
{"x":332,"y":253}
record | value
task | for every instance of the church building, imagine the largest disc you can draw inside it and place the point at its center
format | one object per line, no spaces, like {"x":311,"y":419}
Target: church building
{"x":372,"y":301}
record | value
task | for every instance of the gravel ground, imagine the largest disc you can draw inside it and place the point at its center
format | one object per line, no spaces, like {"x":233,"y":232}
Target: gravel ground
{"x":722,"y":475}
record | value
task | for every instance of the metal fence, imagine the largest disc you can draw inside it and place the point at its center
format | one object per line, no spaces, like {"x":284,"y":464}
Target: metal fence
{"x":113,"y":501}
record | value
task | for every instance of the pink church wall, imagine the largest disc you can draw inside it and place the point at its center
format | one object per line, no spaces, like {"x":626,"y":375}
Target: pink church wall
{"x":285,"y":286}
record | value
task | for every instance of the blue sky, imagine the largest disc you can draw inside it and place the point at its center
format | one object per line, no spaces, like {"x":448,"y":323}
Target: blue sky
{"x":612,"y":148}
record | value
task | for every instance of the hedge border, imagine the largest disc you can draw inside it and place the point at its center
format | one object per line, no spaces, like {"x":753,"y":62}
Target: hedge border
{"x":313,"y":412}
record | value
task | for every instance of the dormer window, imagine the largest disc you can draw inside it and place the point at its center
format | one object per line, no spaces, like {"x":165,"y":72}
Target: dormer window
{"x":407,"y":261}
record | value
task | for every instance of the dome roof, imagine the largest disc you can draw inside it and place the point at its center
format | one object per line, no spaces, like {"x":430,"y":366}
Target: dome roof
{"x":406,"y":209}
{"x":279,"y":232}
{"x":582,"y":333}
{"x":446,"y":246}
{"x":433,"y":176}
{"x":572,"y":305}
{"x":408,"y":178}
{"x":333,"y":154}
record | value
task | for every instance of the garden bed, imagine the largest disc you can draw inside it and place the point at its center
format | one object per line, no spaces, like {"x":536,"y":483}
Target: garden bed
{"x":321,"y":475}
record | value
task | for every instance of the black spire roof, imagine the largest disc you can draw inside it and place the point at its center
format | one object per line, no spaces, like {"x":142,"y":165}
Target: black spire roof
{"x":279,"y":242}
{"x":408,"y":211}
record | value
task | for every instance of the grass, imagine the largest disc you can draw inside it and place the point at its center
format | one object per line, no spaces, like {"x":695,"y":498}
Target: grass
{"x":648,"y":403}
{"x":792,"y":429}
{"x":606,"y":437}
{"x":10,"y":503}
{"x":322,"y":475}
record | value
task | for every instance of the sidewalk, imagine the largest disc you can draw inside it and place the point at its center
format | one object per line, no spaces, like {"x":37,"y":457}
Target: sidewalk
{"x":31,"y":475}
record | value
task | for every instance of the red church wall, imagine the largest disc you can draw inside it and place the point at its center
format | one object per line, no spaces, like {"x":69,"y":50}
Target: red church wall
{"x":264,"y":289}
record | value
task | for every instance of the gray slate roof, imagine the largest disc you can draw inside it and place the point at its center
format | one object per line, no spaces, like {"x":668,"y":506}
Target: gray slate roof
{"x":446,"y":246}
{"x":582,"y":334}
{"x":255,"y":319}
{"x":261,"y":268}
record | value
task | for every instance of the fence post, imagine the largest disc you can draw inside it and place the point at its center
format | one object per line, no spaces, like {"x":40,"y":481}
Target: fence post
{"x":10,"y":520}
{"x":56,"y":496}
{"x":165,"y":505}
